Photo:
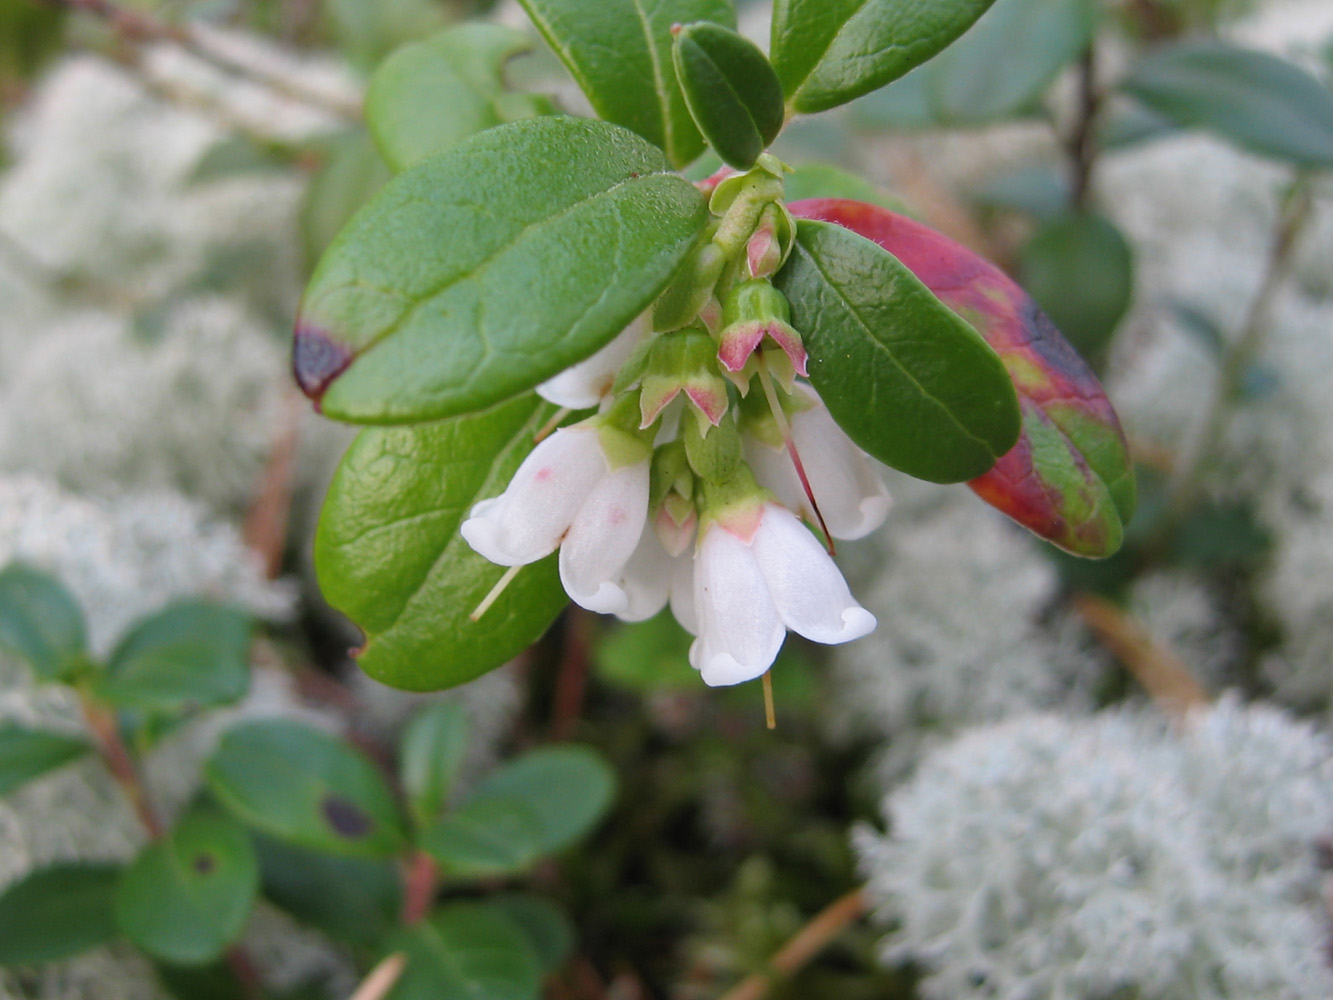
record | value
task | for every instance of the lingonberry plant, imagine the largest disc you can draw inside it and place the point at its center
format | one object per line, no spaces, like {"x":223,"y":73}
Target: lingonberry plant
{"x":589,"y":377}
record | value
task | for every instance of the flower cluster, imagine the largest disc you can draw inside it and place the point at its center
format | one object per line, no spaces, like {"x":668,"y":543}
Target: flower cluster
{"x":687,"y":488}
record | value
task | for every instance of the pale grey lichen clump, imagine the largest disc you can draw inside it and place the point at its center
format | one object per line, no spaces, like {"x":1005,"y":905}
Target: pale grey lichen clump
{"x":1111,"y":856}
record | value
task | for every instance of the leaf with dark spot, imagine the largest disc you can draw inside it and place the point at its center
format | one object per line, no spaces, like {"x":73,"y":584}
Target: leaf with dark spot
{"x":346,"y":819}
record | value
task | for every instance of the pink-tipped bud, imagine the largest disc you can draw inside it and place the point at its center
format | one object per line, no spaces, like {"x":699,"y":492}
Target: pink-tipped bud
{"x":683,"y":362}
{"x":675,"y":523}
{"x":755,"y":311}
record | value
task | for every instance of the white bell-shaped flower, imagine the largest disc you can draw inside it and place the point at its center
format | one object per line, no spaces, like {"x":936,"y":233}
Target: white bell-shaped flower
{"x":850,"y":495}
{"x":585,"y":384}
{"x":569,"y":493}
{"x":759,"y":572}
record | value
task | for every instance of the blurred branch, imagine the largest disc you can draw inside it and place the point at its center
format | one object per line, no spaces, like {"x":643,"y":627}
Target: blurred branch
{"x":382,"y":978}
{"x":1081,"y":144}
{"x":571,"y":679}
{"x":116,"y":755}
{"x":808,"y":942}
{"x":1163,"y":675}
{"x":140,"y":27}
{"x":265,"y":527}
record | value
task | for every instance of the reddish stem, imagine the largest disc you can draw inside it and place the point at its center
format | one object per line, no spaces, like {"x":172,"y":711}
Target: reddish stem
{"x":419,"y":884}
{"x":571,"y":681}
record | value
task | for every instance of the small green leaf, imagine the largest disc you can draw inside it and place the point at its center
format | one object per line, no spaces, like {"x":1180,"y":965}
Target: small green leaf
{"x":366,"y":32}
{"x":56,"y":912}
{"x":1256,"y":100}
{"x":40,"y":621}
{"x":1081,"y":272}
{"x":187,"y":897}
{"x":388,"y":553}
{"x":732,"y":92}
{"x":568,"y":788}
{"x":548,"y":927}
{"x":619,"y":51}
{"x":433,"y":749}
{"x":486,"y":837}
{"x":201,"y":982}
{"x":432,"y":94}
{"x":560,"y":231}
{"x":647,"y":656}
{"x":357,"y":900}
{"x":466,"y":951}
{"x":29,"y":753}
{"x":351,"y":172}
{"x":188,"y":655}
{"x":827,"y":52}
{"x":305,"y":786}
{"x":907,"y":379}
{"x":823,"y":180}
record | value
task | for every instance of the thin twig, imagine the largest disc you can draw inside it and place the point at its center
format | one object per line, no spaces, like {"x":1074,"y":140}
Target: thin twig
{"x":1081,"y":145}
{"x":571,"y":678}
{"x":382,"y":978}
{"x":808,"y":942}
{"x":1163,"y":674}
{"x":121,"y":764}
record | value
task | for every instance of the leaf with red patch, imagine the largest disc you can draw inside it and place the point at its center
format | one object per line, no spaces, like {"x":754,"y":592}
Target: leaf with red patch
{"x":1069,"y":478}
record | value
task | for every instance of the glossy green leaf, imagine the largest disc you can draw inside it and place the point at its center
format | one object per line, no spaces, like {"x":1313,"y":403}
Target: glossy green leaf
{"x":1256,"y":100}
{"x":357,"y":900}
{"x":731,"y":90}
{"x":305,"y":786}
{"x":187,"y":897}
{"x":827,"y":52}
{"x":29,"y":753}
{"x":1005,"y":62}
{"x":1081,"y":272}
{"x":467,"y":951}
{"x":433,"y":749}
{"x":56,"y":912}
{"x":906,"y":378}
{"x":619,"y":51}
{"x":191,"y":654}
{"x":388,"y":553}
{"x":559,"y":232}
{"x":547,"y":927}
{"x":568,"y":788}
{"x":486,"y":837}
{"x":432,"y":94}
{"x":40,"y":621}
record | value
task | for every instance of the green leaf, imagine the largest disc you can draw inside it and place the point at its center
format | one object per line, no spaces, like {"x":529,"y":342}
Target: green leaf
{"x":56,"y":912}
{"x":547,"y":927}
{"x":433,"y":94}
{"x":732,"y":92}
{"x":619,"y":51}
{"x":568,"y":788}
{"x":648,"y":656}
{"x":187,"y":897}
{"x":388,"y":553}
{"x":1256,"y":100}
{"x":823,"y":180}
{"x":201,"y":982}
{"x":486,"y":837}
{"x":433,"y":749}
{"x":827,"y":52}
{"x":305,"y":786}
{"x":1081,"y":272}
{"x":30,"y":36}
{"x":29,"y":753}
{"x":560,"y":231}
{"x":351,"y":173}
{"x":357,"y":900}
{"x":366,"y":32}
{"x":40,"y":621}
{"x":466,"y":951}
{"x":188,"y":655}
{"x":1040,"y":191}
{"x":908,"y":380}
{"x":1004,"y":64}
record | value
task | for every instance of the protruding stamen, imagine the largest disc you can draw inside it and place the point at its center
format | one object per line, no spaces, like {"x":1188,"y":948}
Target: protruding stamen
{"x":549,"y":427}
{"x":495,"y":593}
{"x":770,"y":713}
{"x":784,"y":428}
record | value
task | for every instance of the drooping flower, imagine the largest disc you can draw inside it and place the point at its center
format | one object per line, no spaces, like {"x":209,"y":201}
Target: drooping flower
{"x":587,"y":383}
{"x":757,"y":573}
{"x":584,"y":490}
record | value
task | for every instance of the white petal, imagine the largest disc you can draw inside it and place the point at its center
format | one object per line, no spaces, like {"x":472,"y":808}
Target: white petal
{"x":740,"y":632}
{"x":682,"y":592}
{"x":850,"y":496}
{"x":604,"y":534}
{"x":773,"y":469}
{"x":584,"y":384}
{"x":527,"y":521}
{"x":806,"y":587}
{"x":646,"y":578}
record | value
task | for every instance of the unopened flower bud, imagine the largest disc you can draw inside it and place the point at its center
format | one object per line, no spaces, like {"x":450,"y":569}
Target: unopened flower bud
{"x":755,"y":310}
{"x":683,"y":362}
{"x":714,"y":451}
{"x":691,"y":289}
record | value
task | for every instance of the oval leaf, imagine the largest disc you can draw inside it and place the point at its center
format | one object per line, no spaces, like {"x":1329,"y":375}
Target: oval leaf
{"x":189,"y":655}
{"x":432,"y":753}
{"x":619,"y":51}
{"x":731,"y":90}
{"x":40,"y":621}
{"x":568,"y":789}
{"x":486,"y":837}
{"x":388,"y":553}
{"x":1256,"y":100}
{"x":548,"y":928}
{"x":305,"y":786}
{"x":490,"y":267}
{"x":909,"y":381}
{"x":433,"y":94}
{"x":57,"y":912}
{"x":1069,"y":478}
{"x":466,"y":951}
{"x":29,"y":753}
{"x":186,"y":898}
{"x":827,"y":52}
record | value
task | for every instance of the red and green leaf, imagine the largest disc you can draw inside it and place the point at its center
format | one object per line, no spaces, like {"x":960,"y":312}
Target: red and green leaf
{"x":1069,"y":478}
